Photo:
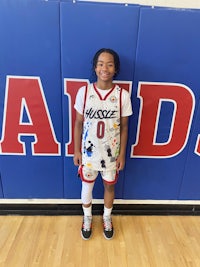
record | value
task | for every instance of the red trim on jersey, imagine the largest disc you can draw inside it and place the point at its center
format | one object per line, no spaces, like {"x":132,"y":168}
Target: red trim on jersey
{"x":80,"y":174}
{"x":120,"y":102}
{"x":103,"y":98}
{"x":115,"y":181}
{"x":85,"y":96}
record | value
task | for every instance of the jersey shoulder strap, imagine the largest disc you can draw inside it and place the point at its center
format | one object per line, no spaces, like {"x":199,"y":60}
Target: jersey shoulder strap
{"x":85,"y":96}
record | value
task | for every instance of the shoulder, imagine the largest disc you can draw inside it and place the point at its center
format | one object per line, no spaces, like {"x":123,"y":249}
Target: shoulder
{"x":125,"y":93}
{"x":81,"y":90}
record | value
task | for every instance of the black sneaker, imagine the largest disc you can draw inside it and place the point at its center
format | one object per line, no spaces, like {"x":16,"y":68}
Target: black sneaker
{"x":108,"y":227}
{"x":86,"y":230}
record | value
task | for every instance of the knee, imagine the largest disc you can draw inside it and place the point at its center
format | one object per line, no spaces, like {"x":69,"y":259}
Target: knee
{"x":109,"y":187}
{"x":86,"y":193}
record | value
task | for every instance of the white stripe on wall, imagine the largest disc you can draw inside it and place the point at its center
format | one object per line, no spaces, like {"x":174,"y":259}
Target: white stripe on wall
{"x":98,"y":201}
{"x":163,"y":3}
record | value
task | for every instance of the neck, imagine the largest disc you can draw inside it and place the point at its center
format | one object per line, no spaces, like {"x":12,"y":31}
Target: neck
{"x":104,"y":85}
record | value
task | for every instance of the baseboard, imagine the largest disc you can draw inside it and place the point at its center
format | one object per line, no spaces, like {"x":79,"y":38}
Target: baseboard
{"x":119,"y":209}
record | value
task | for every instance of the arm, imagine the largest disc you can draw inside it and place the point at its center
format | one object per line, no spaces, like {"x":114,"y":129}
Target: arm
{"x":123,"y":142}
{"x":78,"y":128}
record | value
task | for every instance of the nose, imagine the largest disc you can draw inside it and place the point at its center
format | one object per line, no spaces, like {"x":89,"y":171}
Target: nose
{"x":104,"y":67}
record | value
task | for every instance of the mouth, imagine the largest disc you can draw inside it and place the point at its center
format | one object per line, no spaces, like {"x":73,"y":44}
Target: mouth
{"x":104,"y":75}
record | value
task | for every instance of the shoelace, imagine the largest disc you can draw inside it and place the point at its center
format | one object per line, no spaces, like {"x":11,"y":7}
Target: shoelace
{"x":107,"y":223}
{"x":87,"y":223}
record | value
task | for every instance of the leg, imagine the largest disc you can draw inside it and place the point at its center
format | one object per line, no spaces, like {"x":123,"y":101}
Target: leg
{"x":109,"y":194}
{"x":109,"y":180}
{"x":86,"y":196}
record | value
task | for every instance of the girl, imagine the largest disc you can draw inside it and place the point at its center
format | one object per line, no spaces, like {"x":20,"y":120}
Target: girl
{"x":100,"y":136}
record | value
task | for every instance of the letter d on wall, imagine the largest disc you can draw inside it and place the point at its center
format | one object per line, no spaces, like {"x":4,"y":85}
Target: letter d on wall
{"x":152,"y":95}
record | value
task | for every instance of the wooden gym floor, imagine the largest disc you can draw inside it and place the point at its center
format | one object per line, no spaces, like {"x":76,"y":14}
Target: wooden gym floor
{"x":140,"y":241}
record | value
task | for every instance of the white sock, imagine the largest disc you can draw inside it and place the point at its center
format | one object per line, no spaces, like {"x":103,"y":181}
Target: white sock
{"x":87,"y":211}
{"x":107,"y":212}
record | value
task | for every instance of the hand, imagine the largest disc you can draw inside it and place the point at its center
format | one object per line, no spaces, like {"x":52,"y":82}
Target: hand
{"x":78,"y":159}
{"x":120,"y":163}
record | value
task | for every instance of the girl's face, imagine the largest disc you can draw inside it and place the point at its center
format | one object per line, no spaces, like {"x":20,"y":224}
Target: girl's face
{"x":105,"y":67}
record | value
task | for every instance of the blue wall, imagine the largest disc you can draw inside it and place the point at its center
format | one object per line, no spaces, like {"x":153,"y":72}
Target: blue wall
{"x":45,"y":56}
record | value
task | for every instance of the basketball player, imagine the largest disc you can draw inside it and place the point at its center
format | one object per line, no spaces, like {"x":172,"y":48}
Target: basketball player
{"x":100,"y":136}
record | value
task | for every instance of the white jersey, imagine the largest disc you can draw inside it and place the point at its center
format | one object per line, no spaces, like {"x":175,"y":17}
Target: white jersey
{"x":126,"y":109}
{"x":101,"y":129}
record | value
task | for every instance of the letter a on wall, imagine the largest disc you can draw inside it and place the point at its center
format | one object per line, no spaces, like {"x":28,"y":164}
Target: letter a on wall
{"x":25,"y":95}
